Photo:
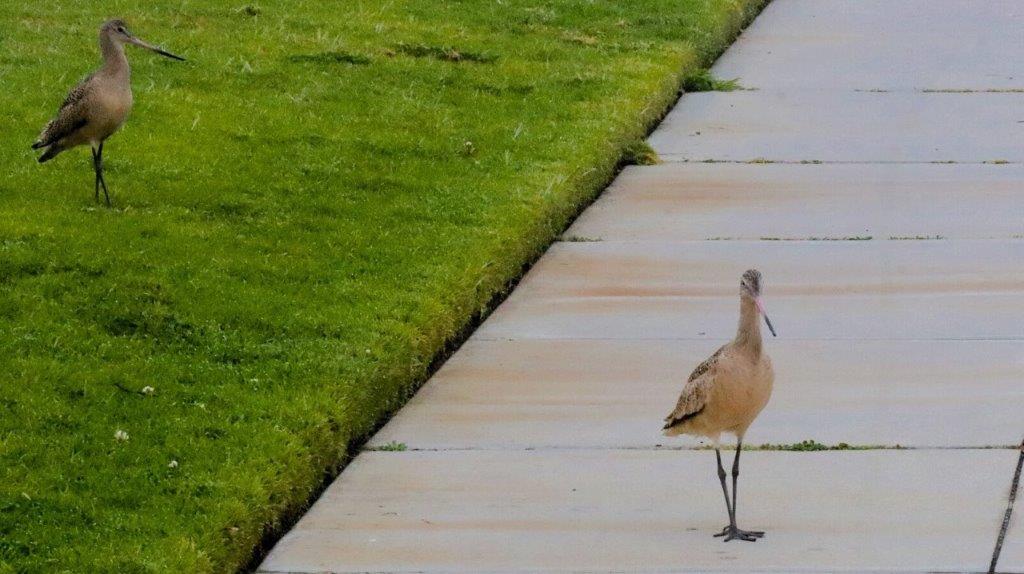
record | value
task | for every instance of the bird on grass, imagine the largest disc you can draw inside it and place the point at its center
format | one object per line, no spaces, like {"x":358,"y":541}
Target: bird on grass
{"x":98,"y":106}
{"x":725,"y":393}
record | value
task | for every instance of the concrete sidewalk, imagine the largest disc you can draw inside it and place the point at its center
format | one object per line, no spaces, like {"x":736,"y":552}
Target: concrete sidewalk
{"x":894,"y":272}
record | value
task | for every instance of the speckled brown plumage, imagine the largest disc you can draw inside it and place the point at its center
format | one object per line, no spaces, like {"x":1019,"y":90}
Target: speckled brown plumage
{"x":70,"y":118}
{"x":694,"y":396}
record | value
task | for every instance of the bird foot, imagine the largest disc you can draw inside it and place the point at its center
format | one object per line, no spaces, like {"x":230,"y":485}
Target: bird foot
{"x":730,"y":532}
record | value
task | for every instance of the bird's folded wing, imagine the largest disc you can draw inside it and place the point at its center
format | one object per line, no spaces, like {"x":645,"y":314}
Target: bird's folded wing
{"x":694,"y":396}
{"x":69,"y":118}
{"x":691,"y":401}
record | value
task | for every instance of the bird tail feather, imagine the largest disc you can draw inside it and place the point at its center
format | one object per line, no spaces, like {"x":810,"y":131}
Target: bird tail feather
{"x":45,"y":137}
{"x":50,"y":153}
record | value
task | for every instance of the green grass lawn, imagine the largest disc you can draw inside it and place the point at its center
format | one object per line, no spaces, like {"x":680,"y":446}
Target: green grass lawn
{"x":305,"y":213}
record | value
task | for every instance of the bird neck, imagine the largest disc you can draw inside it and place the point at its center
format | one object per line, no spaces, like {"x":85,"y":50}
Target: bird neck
{"x":748,"y":333}
{"x":114,"y":60}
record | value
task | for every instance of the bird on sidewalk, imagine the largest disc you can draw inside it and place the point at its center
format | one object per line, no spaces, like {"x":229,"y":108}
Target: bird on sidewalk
{"x":725,"y":393}
{"x":99,"y":105}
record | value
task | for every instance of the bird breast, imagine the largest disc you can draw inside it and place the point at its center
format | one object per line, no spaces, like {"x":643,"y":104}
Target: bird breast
{"x":119,"y":104}
{"x":743,"y":387}
{"x":111,"y":108}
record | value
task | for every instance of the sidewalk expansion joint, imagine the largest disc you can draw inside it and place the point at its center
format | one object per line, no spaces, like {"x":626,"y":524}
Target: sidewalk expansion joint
{"x":817,"y":238}
{"x":676,"y":158}
{"x":498,"y":339}
{"x":659,"y":571}
{"x":807,"y":239}
{"x":762,"y":448}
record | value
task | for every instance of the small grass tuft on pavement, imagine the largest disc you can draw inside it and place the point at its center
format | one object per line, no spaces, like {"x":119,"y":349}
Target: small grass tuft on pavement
{"x":640,"y":153}
{"x":393,"y":446}
{"x":813,"y":446}
{"x":704,"y":81}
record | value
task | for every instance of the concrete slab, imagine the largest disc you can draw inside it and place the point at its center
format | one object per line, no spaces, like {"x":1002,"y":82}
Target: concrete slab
{"x":902,"y":44}
{"x":881,"y":290}
{"x":556,"y":394}
{"x":843,"y":127}
{"x":654,"y":511}
{"x":692,"y":201}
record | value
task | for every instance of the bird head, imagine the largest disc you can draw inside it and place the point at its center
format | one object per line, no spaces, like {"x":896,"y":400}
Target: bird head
{"x":750,"y":286}
{"x":118,"y":31}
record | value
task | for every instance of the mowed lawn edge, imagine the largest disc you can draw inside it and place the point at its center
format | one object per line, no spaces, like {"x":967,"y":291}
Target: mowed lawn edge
{"x":308,"y":214}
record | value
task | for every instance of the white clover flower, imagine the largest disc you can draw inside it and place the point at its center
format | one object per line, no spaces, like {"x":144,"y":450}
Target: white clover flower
{"x":120,"y":435}
{"x":172,"y":464}
{"x":148,"y":390}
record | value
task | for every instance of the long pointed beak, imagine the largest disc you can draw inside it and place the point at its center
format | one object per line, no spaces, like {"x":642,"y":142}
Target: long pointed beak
{"x":767,"y":321}
{"x":156,"y":49}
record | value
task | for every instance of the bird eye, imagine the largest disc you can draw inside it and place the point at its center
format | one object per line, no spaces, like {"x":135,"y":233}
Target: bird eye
{"x":121,"y":29}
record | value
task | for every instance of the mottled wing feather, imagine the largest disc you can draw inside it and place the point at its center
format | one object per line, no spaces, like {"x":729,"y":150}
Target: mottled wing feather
{"x":706,"y":365}
{"x":70,"y":117}
{"x":694,"y":396}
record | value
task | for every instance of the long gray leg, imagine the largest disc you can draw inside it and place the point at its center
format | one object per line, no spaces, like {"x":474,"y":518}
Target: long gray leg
{"x":735,"y":476}
{"x":748,"y":535}
{"x":725,"y":492}
{"x":99,"y":172}
{"x":96,"y":169}
{"x":721,"y":478}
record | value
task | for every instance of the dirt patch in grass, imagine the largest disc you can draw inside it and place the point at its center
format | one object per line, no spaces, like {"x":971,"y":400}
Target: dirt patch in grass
{"x":444,"y":53}
{"x":330,"y":58}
